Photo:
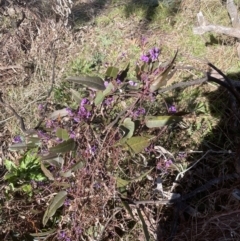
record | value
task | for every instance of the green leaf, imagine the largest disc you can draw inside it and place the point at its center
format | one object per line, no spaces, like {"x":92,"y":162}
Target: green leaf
{"x":112,"y":72}
{"x":10,"y":166}
{"x":63,"y":147}
{"x":138,"y":143}
{"x":27,"y":188}
{"x":121,"y":182}
{"x":160,"y":121}
{"x":18,"y":146}
{"x":95,"y":83}
{"x":52,"y":159}
{"x":99,"y":98}
{"x":56,"y":203}
{"x":109,"y":89}
{"x":126,"y":205}
{"x":76,"y":95}
{"x":46,"y":172}
{"x":66,"y":174}
{"x":145,"y":229}
{"x":130,"y":125}
{"x":62,"y":134}
{"x":43,"y":234}
{"x":78,"y":165}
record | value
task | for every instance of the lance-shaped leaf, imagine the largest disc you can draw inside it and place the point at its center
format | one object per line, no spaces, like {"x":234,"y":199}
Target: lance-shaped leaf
{"x":112,"y":72}
{"x":161,"y":78}
{"x":99,"y":98}
{"x":95,"y":82}
{"x":145,"y":228}
{"x":138,"y":143}
{"x":43,"y":234}
{"x":52,"y":159}
{"x":127,"y":207}
{"x":46,"y":172}
{"x":63,"y":147}
{"x":22,"y":146}
{"x":56,"y":203}
{"x":160,"y":121}
{"x":76,"y":95}
{"x":62,"y":134}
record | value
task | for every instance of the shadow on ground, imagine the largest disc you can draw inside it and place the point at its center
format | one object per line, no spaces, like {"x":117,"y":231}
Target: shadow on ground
{"x":211,"y":208}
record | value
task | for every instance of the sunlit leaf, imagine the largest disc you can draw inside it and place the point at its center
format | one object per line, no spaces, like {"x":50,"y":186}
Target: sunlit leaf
{"x":62,"y":134}
{"x":46,"y":172}
{"x":23,"y":146}
{"x":78,"y":165}
{"x":43,"y":234}
{"x":52,"y":159}
{"x":99,"y":98}
{"x":9,"y":165}
{"x":66,"y":174}
{"x":109,"y":89}
{"x":63,"y":147}
{"x":58,"y":113}
{"x":145,"y":228}
{"x":130,"y":125}
{"x":94,"y":82}
{"x":160,"y":121}
{"x":138,"y":143}
{"x":56,"y":203}
{"x":112,"y":72}
{"x":161,"y":79}
{"x":121,"y":182}
{"x":76,"y":95}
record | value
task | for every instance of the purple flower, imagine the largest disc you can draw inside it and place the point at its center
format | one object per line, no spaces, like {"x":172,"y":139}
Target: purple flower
{"x":168,"y":163}
{"x":69,"y":111}
{"x":106,"y":83}
{"x":145,"y":58}
{"x":108,"y":101}
{"x":172,"y":109}
{"x":154,"y":53}
{"x":43,"y":135}
{"x":17,"y":139}
{"x":40,"y":107}
{"x":84,"y":101}
{"x":67,"y":202}
{"x":72,"y":135}
{"x":163,"y":165}
{"x":92,"y":150}
{"x":118,"y":81}
{"x":138,"y":112}
{"x":132,"y":83}
{"x":62,"y":234}
{"x":49,"y":124}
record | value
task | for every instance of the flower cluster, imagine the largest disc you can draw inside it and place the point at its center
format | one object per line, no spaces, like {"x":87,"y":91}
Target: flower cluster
{"x":151,"y":56}
{"x":82,"y":113}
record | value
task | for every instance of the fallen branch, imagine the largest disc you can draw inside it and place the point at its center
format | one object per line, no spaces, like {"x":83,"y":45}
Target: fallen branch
{"x":233,"y":32}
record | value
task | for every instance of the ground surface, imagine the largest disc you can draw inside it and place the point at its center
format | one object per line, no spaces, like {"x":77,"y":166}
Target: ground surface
{"x":100,"y":202}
